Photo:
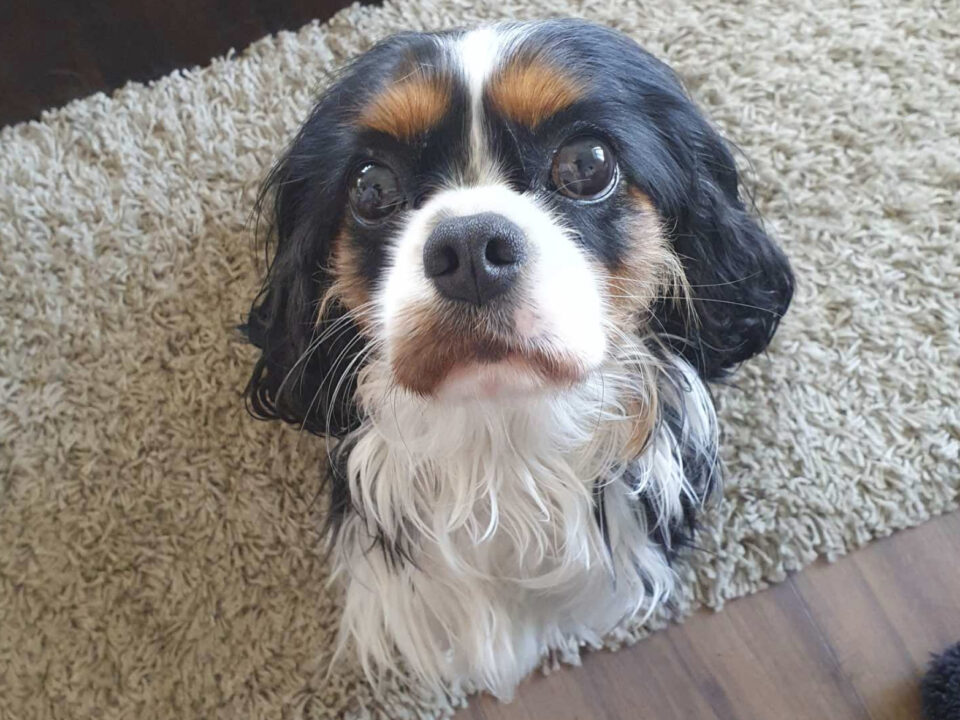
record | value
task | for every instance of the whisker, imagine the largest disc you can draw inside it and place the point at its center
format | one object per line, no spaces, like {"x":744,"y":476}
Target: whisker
{"x":360,"y":357}
{"x":340,"y":325}
{"x":700,"y":299}
{"x":617,"y":278}
{"x":323,"y":383}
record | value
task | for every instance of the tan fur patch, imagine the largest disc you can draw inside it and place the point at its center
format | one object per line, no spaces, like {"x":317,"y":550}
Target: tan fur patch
{"x":644,"y":416}
{"x":649,"y":270}
{"x":349,"y":287}
{"x":432,"y":346}
{"x":529,"y":92}
{"x":409,"y":107}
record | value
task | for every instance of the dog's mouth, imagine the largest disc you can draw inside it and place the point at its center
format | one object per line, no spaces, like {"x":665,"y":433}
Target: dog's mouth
{"x":480,"y":362}
{"x":515,"y":376}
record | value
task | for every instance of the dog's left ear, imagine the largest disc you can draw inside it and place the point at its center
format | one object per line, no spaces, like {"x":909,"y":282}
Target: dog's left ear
{"x":740,"y":281}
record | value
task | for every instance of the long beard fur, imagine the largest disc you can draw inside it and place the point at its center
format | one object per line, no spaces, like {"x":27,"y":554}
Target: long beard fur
{"x":482,"y":536}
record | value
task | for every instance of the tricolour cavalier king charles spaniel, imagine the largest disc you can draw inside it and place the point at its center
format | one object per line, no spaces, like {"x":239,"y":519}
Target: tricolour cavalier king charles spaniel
{"x":507,"y":261}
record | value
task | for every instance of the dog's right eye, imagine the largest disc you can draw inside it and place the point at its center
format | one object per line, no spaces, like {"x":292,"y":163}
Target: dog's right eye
{"x":375,"y":192}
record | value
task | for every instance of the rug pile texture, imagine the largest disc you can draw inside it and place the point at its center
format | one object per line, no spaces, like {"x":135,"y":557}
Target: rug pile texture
{"x":159,"y":548}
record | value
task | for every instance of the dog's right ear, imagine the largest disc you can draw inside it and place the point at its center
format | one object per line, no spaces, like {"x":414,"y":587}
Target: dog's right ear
{"x":306,"y":372}
{"x":303,"y":375}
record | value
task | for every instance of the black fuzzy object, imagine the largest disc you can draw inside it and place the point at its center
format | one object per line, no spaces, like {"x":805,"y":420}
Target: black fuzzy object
{"x":941,"y":686}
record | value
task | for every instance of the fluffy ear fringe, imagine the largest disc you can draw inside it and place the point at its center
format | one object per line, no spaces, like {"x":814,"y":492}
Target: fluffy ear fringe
{"x":298,"y":378}
{"x":303,"y":375}
{"x":741,"y":283}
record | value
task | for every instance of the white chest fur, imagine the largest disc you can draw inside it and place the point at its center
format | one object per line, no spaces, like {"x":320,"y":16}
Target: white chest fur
{"x":476,"y":546}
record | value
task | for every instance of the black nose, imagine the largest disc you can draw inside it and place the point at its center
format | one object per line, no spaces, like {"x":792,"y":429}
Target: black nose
{"x":474,"y":258}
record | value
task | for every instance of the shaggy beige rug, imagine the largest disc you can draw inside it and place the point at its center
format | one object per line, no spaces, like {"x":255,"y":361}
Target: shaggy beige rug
{"x":158,"y":548}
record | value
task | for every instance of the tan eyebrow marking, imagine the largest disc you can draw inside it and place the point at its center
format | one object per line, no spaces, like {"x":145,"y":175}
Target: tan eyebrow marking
{"x":528,"y":92}
{"x":409,"y":107}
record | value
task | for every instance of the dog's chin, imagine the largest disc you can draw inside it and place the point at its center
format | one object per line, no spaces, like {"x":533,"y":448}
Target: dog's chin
{"x":503,"y":380}
{"x":514,"y":378}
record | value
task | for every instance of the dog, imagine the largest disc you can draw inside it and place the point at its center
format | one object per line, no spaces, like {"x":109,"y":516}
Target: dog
{"x":506,"y":263}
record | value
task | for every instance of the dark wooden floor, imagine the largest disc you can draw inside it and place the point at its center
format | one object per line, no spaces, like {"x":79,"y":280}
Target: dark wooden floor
{"x":847,"y":641}
{"x":52,"y":51}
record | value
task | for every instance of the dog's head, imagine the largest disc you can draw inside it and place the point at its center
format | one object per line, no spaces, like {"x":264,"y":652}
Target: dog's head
{"x":490,"y":214}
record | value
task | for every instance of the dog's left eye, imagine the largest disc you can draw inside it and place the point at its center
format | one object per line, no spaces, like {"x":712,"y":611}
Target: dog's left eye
{"x":375,"y":192}
{"x":584,"y":168}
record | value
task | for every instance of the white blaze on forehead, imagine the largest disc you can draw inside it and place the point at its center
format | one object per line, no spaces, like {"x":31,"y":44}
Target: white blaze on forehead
{"x":479,"y":53}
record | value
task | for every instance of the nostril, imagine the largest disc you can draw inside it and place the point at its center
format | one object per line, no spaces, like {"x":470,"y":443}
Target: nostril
{"x":501,"y":251}
{"x":474,"y":258}
{"x":442,"y":260}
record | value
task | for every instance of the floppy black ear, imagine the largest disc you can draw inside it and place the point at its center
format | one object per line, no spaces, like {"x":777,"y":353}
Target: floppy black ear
{"x":307,"y":370}
{"x":305,"y":373}
{"x":740,"y":281}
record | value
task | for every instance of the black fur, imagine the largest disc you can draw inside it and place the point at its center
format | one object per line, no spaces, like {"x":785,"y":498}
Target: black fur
{"x":941,"y":686}
{"x":702,"y":469}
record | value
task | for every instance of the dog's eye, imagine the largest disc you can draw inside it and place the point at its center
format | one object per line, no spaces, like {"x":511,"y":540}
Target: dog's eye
{"x":584,"y":168}
{"x":375,"y":192}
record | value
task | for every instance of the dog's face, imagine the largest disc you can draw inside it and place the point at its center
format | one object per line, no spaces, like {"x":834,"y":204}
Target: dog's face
{"x":495,"y":213}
